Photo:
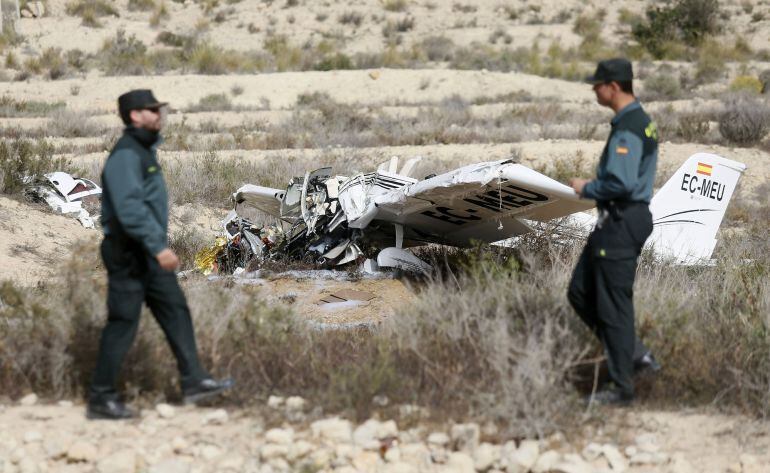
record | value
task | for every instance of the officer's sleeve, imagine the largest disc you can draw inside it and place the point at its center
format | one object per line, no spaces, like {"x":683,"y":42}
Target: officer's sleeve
{"x":123,"y":176}
{"x":622,"y":169}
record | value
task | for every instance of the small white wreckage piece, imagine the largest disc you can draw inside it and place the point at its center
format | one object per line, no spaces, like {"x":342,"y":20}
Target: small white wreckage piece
{"x":331,"y":219}
{"x":65,"y":194}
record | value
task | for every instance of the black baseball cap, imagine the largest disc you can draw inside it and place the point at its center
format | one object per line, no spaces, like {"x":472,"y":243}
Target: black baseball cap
{"x":138,"y":99}
{"x":617,"y":69}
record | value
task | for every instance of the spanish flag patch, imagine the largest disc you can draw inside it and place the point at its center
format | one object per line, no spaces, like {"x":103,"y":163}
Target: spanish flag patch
{"x":621,"y":150}
{"x":704,"y":169}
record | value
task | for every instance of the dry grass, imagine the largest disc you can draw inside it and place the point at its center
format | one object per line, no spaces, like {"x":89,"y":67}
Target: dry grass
{"x":491,"y":337}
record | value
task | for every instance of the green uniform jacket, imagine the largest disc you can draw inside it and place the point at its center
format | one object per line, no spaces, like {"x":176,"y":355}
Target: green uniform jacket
{"x":626,"y":169}
{"x":134,"y":197}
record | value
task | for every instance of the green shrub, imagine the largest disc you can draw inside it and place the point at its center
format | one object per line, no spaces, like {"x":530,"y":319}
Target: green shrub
{"x":746,"y":84}
{"x":395,"y":5}
{"x":141,"y":5}
{"x":336,"y":61}
{"x":91,"y":10}
{"x":124,"y":55}
{"x":688,"y":21}
{"x":662,"y":86}
{"x":22,"y":160}
{"x":212,"y":103}
{"x":11,"y":107}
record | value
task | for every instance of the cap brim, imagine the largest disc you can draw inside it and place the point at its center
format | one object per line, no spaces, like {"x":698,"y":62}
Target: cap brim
{"x":155,"y":105}
{"x":592,"y":80}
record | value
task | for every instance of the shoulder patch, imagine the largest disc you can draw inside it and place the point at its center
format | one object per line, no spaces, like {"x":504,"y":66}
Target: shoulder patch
{"x":152,"y":169}
{"x":651,"y":131}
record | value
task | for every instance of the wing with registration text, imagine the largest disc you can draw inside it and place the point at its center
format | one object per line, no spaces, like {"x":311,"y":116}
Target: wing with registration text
{"x":485,"y":202}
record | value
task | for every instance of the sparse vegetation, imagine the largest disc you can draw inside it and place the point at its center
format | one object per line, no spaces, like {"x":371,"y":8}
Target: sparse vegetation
{"x":395,"y":5}
{"x":22,"y":160}
{"x":745,"y":120}
{"x":687,"y":21}
{"x":91,"y":10}
{"x":662,"y":86}
{"x":11,"y":107}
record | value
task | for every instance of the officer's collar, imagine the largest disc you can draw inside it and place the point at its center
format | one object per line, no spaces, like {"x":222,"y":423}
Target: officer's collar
{"x":628,"y":108}
{"x":146,"y":138}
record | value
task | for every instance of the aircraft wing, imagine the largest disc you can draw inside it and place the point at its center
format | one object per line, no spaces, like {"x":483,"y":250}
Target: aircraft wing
{"x":485,"y":201}
{"x":265,"y":199}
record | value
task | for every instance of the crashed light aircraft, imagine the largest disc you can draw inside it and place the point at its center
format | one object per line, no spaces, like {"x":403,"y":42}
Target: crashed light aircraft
{"x":332,"y":218}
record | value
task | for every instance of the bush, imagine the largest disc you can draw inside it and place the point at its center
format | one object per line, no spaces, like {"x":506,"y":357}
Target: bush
{"x":744,"y":120}
{"x":438,"y":48}
{"x":212,"y":103}
{"x":662,"y":86}
{"x":124,"y":55}
{"x":688,"y":21}
{"x":395,"y":5}
{"x":11,"y":107}
{"x":91,"y":10}
{"x":748,"y":84}
{"x":141,"y":5}
{"x":693,"y":127}
{"x":22,"y":160}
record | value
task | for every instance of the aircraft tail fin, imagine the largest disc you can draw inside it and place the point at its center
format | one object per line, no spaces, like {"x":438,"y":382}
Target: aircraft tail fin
{"x":688,"y":209}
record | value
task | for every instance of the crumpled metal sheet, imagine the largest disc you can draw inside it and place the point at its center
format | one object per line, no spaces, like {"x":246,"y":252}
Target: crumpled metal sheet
{"x":64,"y":194}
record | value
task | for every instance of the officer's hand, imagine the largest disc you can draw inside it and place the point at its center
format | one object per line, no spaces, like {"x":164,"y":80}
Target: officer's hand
{"x":167,"y":259}
{"x":578,"y":184}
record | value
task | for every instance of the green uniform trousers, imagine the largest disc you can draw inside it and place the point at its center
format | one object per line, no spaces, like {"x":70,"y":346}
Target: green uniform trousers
{"x":602,"y":287}
{"x":133,"y":279}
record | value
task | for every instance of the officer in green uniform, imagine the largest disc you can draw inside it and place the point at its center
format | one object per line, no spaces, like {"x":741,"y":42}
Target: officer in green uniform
{"x":601,"y":289}
{"x":140,"y":265}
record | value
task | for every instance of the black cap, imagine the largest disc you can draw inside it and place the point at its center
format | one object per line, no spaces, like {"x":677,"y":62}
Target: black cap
{"x":137,"y":100}
{"x":617,"y":69}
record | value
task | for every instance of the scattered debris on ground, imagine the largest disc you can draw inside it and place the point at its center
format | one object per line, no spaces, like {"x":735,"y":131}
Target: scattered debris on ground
{"x":66,"y":195}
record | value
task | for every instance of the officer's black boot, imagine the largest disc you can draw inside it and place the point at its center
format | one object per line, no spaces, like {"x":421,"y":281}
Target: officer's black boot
{"x":109,"y":410}
{"x":610,"y":396}
{"x":646,"y":364}
{"x":205,"y":389}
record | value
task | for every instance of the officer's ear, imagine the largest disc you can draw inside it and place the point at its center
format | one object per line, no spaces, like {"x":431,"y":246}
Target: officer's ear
{"x":135,"y":116}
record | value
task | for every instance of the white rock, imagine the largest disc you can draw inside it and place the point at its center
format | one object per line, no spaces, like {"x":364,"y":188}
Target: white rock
{"x":365,"y":435}
{"x":27,"y":465}
{"x":122,"y":461}
{"x":32,"y":436}
{"x":439,"y":439}
{"x":165,"y":411}
{"x":485,"y":456}
{"x":65,"y":404}
{"x":465,"y":436}
{"x":592,"y":451}
{"x":54,"y":449}
{"x":280,"y":436}
{"x":393,"y":455}
{"x":170,"y":465}
{"x":17,"y":455}
{"x":630,"y":451}
{"x":572,"y":463}
{"x":179,"y":444}
{"x":546,"y":462}
{"x":81,"y":451}
{"x":640,"y":458}
{"x":524,"y":458}
{"x":439,"y":455}
{"x":460,"y":462}
{"x":272,"y":451}
{"x":28,"y":400}
{"x":275,"y":401}
{"x":216,"y":417}
{"x":397,"y":467}
{"x":365,"y":461}
{"x":679,"y":464}
{"x":299,"y":449}
{"x":333,"y":429}
{"x":231,"y":463}
{"x":751,"y":464}
{"x":344,"y":453}
{"x":617,"y":460}
{"x":415,"y":454}
{"x":387,"y":429}
{"x":295,"y":403}
{"x":380,"y":399}
{"x":210,"y":452}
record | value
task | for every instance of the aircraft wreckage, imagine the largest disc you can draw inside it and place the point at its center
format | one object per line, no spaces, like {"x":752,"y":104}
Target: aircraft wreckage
{"x":332,"y":220}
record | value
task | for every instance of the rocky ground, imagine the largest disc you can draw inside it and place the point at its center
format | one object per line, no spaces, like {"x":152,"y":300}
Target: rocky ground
{"x":289,"y":435}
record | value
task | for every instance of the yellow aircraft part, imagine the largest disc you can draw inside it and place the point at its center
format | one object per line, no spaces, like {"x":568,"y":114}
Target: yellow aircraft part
{"x":206,"y":259}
